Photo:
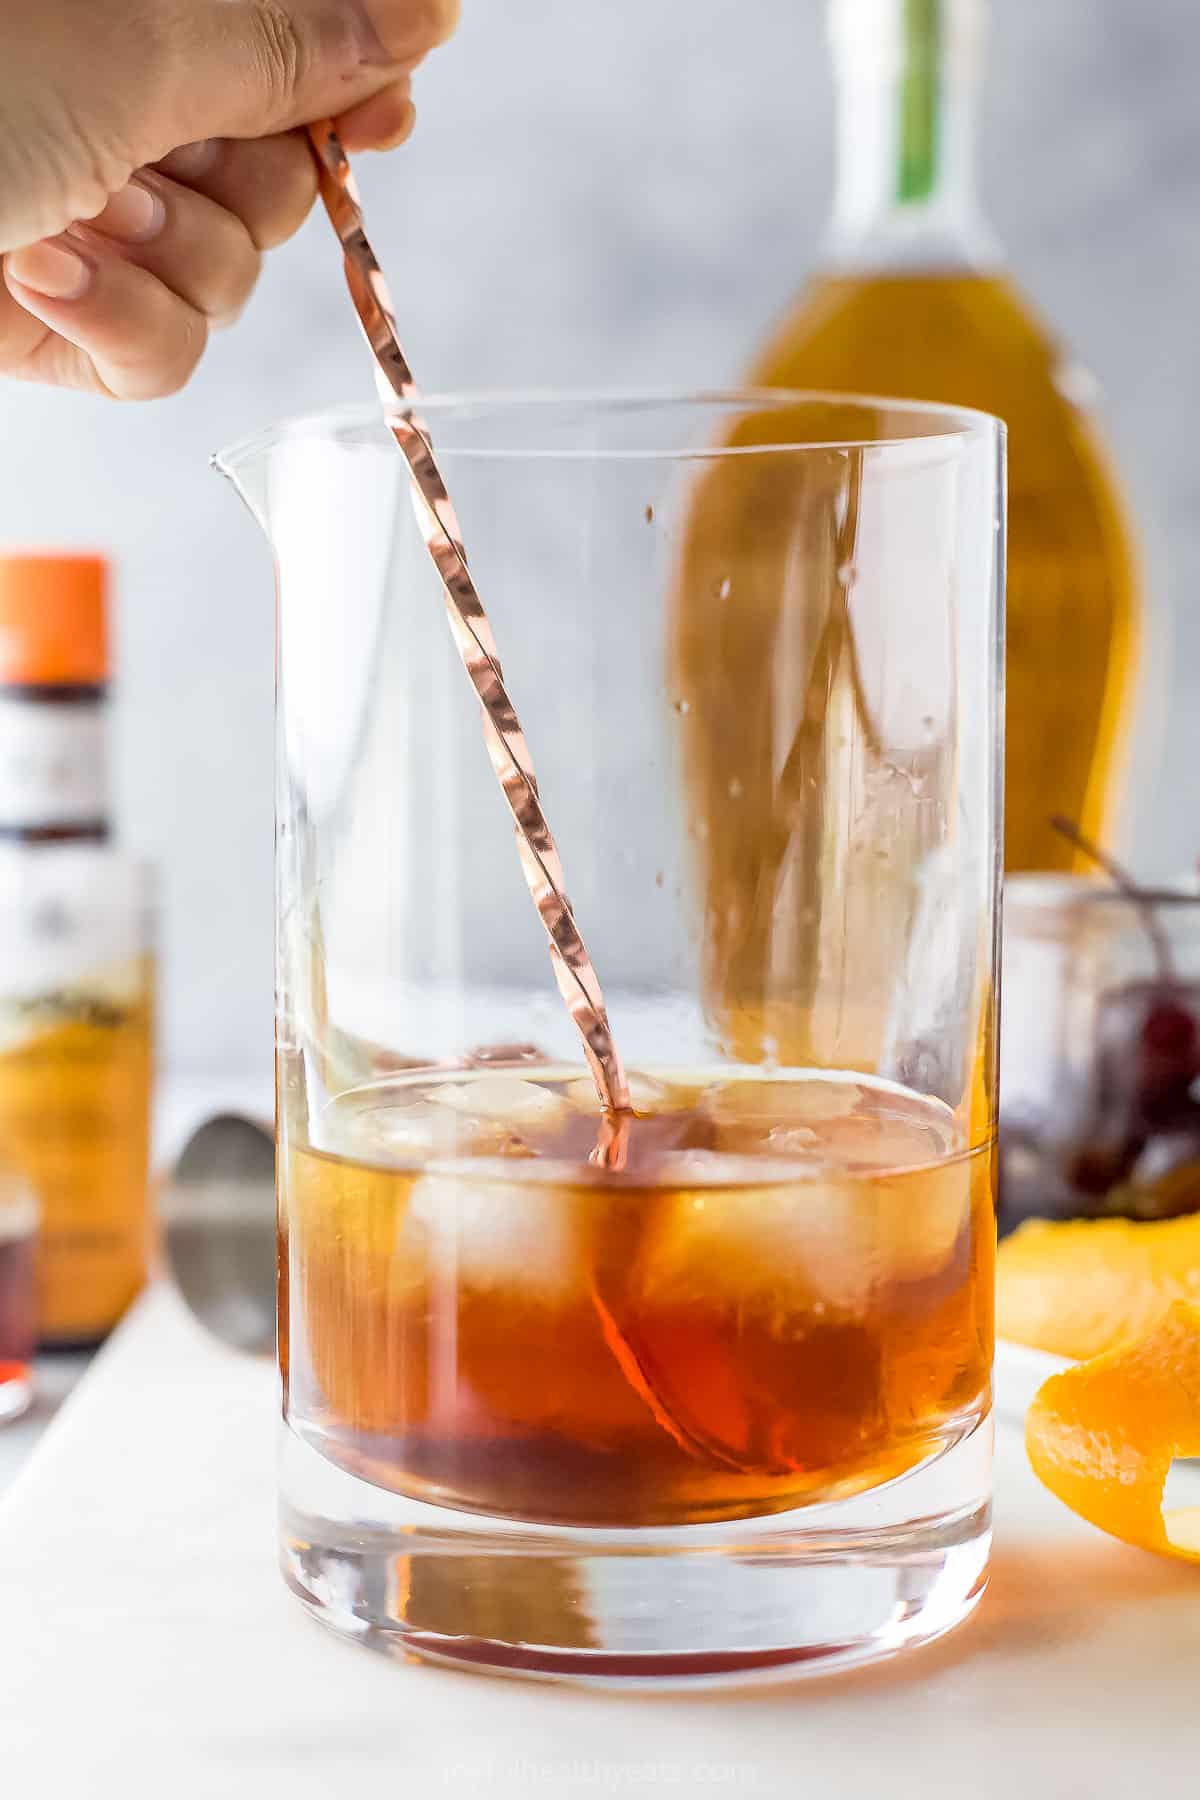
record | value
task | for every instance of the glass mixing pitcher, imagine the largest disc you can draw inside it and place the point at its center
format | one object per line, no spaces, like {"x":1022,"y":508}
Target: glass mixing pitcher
{"x":714,"y":1403}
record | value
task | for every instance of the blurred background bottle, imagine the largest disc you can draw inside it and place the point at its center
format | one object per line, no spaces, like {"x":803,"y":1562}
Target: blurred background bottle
{"x":913,"y":301}
{"x":76,"y":979}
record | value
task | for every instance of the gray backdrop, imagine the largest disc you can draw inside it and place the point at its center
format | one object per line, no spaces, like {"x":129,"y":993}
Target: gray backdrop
{"x":598,"y":195}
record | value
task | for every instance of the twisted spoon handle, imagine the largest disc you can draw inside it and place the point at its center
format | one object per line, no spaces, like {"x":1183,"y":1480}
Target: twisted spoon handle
{"x":502,"y":731}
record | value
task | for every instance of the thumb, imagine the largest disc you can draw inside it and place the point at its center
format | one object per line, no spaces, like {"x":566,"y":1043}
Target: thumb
{"x":92,"y":89}
{"x":244,"y":68}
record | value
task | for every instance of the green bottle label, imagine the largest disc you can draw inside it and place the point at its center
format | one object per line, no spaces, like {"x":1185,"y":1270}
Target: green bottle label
{"x":920,"y":95}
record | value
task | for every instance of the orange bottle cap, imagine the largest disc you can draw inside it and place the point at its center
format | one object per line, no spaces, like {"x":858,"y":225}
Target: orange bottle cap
{"x":53,"y":619}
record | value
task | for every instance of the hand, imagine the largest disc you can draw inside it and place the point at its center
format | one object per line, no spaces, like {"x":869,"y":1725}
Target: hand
{"x":148,"y":155}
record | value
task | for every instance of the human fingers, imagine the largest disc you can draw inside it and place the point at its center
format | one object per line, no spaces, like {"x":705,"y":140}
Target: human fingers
{"x":383,"y":122}
{"x":289,"y":62}
{"x":113,"y":326}
{"x":269,"y":184}
{"x":91,"y":90}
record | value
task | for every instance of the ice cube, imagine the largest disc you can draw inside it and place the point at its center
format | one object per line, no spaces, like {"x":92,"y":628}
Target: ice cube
{"x":782,"y":1103}
{"x":792,"y":1140}
{"x":887,"y":1139}
{"x":789,"y":1119}
{"x":918,"y":1218}
{"x":645,"y":1094}
{"x":695,"y":1168}
{"x":490,"y":1056}
{"x":784,"y":1250}
{"x":505,"y":1099}
{"x":485,"y":1233}
{"x":813,"y":1246}
{"x":415,"y":1131}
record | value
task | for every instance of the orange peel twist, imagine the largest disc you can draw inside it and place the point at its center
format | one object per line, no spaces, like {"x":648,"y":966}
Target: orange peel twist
{"x":1103,"y":1435}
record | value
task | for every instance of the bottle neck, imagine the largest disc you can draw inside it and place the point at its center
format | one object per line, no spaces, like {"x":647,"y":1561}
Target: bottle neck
{"x":907,"y":80}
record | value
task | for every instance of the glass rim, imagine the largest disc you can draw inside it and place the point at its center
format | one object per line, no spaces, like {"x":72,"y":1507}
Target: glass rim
{"x":958,"y":423}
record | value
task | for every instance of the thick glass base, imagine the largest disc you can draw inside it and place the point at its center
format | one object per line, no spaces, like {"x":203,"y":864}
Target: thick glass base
{"x":816,"y":1589}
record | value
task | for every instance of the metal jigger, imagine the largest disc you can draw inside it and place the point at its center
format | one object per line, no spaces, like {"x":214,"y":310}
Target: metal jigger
{"x":218,"y":1209}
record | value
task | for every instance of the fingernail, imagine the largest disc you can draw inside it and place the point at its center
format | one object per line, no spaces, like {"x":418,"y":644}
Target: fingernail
{"x":134,"y":215}
{"x":52,"y":268}
{"x":191,"y":160}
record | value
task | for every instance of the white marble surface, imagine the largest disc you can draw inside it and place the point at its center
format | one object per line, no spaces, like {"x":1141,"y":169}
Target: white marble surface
{"x":148,"y":1646}
{"x":54,"y":1379}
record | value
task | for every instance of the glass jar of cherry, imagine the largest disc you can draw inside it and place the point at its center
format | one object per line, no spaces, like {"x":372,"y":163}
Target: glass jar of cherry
{"x":1100,"y":1065}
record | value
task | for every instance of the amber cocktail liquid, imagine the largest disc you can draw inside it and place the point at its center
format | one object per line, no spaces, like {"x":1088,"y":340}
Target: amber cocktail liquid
{"x":781,"y":1294}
